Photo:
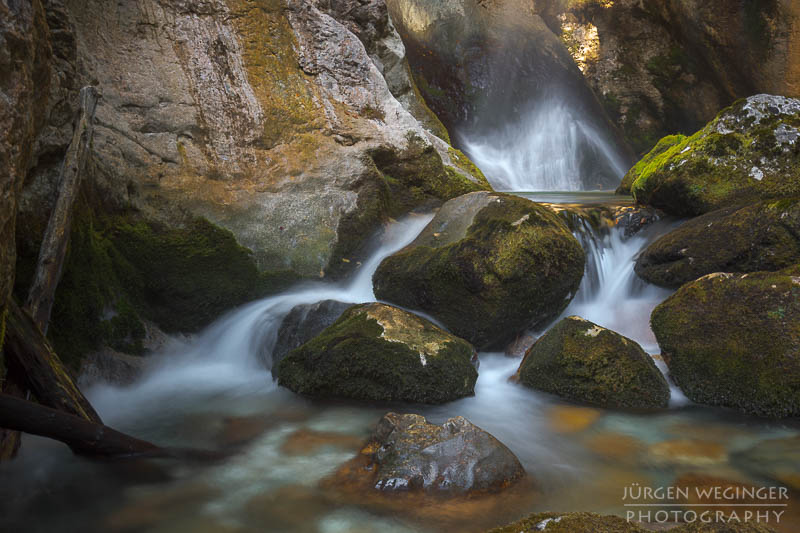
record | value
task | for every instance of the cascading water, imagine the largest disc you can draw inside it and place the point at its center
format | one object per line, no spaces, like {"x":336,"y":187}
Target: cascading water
{"x":549,"y":148}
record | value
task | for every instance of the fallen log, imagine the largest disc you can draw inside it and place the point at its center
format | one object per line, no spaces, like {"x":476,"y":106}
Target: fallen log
{"x":56,"y":237}
{"x":81,"y":435}
{"x":29,"y":354}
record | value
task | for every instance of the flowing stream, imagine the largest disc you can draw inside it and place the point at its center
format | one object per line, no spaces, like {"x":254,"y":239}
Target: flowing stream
{"x":215,"y":390}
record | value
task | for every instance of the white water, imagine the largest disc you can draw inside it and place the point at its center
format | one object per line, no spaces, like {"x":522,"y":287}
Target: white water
{"x":549,"y":148}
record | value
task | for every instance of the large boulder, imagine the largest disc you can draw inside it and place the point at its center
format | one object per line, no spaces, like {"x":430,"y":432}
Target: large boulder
{"x":733,"y":340}
{"x":408,"y":453}
{"x":303,"y":323}
{"x":487,"y":266}
{"x":379,"y":352}
{"x":762,"y":236}
{"x":748,"y":152}
{"x":582,"y":361}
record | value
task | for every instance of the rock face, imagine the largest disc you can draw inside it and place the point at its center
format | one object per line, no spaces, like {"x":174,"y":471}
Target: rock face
{"x":303,"y":323}
{"x":763,"y":236}
{"x":479,"y":65}
{"x":732,"y":340}
{"x":379,"y":352}
{"x":488,"y":266}
{"x":582,"y":361}
{"x":690,"y":60}
{"x":407,"y":453}
{"x":749,"y":152}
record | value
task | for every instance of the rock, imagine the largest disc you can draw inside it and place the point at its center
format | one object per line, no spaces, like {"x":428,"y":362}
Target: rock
{"x":763,"y":236}
{"x":747,"y":153}
{"x":632,"y":219}
{"x":488,"y":266}
{"x":687,"y":452}
{"x":407,"y":453}
{"x":480,"y":65}
{"x":690,"y":59}
{"x":571,"y":418}
{"x":732,"y":340}
{"x":379,"y":352}
{"x":304,"y":322}
{"x":110,"y":366}
{"x":615,"y":447}
{"x":582,"y":361}
{"x":777,"y":459}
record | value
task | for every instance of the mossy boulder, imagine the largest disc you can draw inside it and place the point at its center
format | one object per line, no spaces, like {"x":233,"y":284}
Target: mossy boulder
{"x":379,"y":352}
{"x":582,"y":361}
{"x":487,"y":266}
{"x":750,"y":151}
{"x":761,"y":236}
{"x":733,"y":340}
{"x":406,"y":453}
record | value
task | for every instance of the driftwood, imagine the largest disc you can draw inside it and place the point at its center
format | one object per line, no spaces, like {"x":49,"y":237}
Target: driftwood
{"x":56,"y":237}
{"x":29,"y":354}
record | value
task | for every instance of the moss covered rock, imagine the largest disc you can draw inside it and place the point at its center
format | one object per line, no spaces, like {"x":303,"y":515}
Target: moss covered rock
{"x":762,"y":236}
{"x":408,"y":453}
{"x":750,"y":151}
{"x":488,"y":266}
{"x":733,"y":340}
{"x":582,"y":361}
{"x":379,"y":352}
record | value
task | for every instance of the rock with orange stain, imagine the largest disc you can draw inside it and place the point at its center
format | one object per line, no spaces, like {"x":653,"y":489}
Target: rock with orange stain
{"x":616,"y":446}
{"x":406,"y":453}
{"x":687,"y":452}
{"x":572,"y":419}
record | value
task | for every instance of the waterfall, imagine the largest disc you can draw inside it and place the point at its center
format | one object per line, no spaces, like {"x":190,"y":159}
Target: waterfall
{"x":549,"y":148}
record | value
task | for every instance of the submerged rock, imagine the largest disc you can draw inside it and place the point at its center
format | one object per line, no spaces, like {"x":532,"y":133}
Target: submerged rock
{"x":750,"y":151}
{"x":733,"y":340}
{"x":303,"y":323}
{"x":763,"y":236}
{"x":379,"y":352}
{"x":488,"y":266}
{"x":777,"y":459}
{"x":408,"y":453}
{"x":582,"y":361}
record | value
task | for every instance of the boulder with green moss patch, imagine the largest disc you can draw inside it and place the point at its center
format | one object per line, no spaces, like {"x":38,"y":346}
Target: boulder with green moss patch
{"x":750,"y":151}
{"x":488,"y":266}
{"x":379,"y":352}
{"x":734,"y":340}
{"x":582,"y":361}
{"x":762,"y":236}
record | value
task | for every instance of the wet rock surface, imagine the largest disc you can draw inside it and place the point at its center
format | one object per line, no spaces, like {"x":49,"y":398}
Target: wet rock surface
{"x":749,"y":152}
{"x":732,"y":340}
{"x":406,"y":453}
{"x":379,"y":352}
{"x":579,"y":360}
{"x":488,"y":266}
{"x":303,"y":323}
{"x":763,"y":236}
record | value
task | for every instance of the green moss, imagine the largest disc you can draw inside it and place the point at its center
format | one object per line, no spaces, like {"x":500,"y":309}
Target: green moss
{"x":732,"y":340}
{"x":459,"y":159}
{"x":354,"y":359}
{"x":570,"y":523}
{"x":121,"y":270}
{"x":762,"y":236}
{"x":710,"y":170}
{"x":581,"y":361}
{"x":515,"y":266}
